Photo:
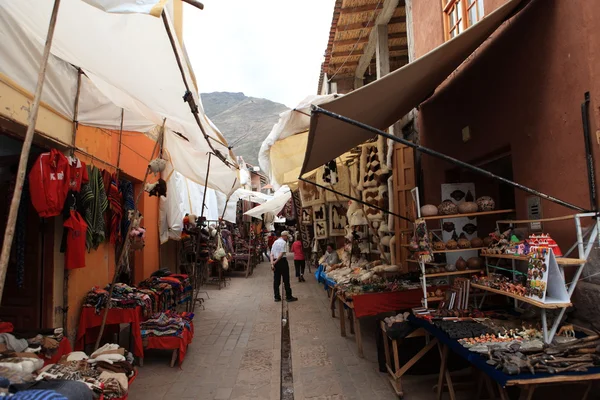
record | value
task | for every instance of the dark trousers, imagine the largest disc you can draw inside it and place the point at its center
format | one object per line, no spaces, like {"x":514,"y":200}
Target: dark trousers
{"x":299,"y":264}
{"x":282,"y":270}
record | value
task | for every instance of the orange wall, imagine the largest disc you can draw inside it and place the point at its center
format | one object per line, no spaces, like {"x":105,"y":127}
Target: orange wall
{"x":136,"y":150}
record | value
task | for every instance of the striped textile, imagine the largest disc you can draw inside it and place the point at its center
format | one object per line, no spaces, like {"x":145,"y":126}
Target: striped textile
{"x":37,"y":395}
{"x":126,"y":189}
{"x":95,"y":202}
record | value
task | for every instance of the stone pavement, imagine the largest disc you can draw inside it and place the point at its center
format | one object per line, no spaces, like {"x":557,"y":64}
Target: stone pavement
{"x":236,"y":351}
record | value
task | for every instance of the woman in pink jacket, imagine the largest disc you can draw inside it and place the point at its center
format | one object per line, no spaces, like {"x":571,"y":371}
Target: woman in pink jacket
{"x":299,"y":262}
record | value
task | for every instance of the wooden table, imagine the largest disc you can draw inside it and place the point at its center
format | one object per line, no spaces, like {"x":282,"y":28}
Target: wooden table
{"x":398,"y":371}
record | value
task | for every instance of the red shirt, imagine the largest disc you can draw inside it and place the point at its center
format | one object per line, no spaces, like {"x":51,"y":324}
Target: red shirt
{"x":297,"y":250}
{"x":77,"y":174}
{"x":271,"y":240}
{"x":77,"y":228}
{"x":49,"y":183}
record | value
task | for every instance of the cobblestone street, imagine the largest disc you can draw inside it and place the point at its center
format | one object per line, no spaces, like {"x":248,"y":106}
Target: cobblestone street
{"x":236,"y":351}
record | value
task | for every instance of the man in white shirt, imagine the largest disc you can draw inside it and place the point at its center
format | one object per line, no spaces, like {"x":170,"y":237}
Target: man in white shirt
{"x":280,"y":267}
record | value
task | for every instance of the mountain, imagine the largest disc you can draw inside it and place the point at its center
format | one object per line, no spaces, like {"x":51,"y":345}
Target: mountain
{"x":244,"y":121}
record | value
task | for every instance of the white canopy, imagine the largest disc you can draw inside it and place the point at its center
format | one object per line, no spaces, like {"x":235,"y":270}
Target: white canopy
{"x":129,"y":63}
{"x":282,"y":159}
{"x":282,"y":196}
{"x":255,"y":197}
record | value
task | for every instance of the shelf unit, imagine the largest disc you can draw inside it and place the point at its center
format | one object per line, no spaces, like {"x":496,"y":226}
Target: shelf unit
{"x":453,"y":273}
{"x":583,"y":246}
{"x":424,"y":276}
{"x":547,"y":305}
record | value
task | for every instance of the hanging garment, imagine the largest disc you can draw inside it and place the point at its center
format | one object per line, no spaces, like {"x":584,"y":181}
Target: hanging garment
{"x":113,"y":216}
{"x":76,"y":241}
{"x":72,"y":203}
{"x":93,"y":197}
{"x":126,"y":190}
{"x":48,"y":183}
{"x":78,"y":174}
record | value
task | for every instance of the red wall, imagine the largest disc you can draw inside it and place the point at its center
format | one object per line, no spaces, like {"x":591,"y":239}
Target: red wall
{"x":522,"y":89}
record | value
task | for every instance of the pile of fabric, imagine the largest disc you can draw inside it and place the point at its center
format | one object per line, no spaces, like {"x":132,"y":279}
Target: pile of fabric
{"x":167,"y":323}
{"x":124,"y":296}
{"x":167,"y":290}
{"x":43,"y":344}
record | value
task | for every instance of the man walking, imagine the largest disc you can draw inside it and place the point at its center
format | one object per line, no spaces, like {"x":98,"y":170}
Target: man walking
{"x":280,"y":268}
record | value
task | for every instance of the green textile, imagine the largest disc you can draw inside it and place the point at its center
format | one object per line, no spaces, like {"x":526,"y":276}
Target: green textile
{"x":95,"y":202}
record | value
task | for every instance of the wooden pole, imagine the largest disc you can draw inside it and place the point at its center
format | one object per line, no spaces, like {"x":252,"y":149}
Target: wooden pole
{"x":120,"y":143}
{"x":227,"y":201}
{"x":9,"y":232}
{"x":195,"y":3}
{"x":74,"y":137}
{"x":126,"y":244}
{"x":205,"y":187}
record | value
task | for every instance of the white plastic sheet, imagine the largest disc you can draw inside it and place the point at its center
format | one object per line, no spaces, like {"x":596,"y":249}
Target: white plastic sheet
{"x":130,"y":64}
{"x":152,"y":7}
{"x":272,"y":206}
{"x":291,"y":122}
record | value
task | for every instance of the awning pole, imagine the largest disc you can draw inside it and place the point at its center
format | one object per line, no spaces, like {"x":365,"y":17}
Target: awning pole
{"x":73,"y":142}
{"x":126,"y":242}
{"x":444,"y":157}
{"x":227,"y":200}
{"x":189,"y":98}
{"x":205,"y":187}
{"x":9,"y":232}
{"x":355,"y":199}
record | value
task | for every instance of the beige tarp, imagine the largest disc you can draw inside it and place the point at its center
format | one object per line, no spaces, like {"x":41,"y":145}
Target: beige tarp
{"x":385,"y":101}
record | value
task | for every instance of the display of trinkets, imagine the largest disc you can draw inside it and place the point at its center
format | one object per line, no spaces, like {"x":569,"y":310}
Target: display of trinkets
{"x":501,"y":282}
{"x":537,"y":272}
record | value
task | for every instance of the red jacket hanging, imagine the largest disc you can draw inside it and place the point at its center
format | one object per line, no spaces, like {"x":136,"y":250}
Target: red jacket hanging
{"x":49,"y":183}
{"x":77,"y":228}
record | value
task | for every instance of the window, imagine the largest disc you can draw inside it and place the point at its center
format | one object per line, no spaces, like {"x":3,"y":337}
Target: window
{"x":459,"y":15}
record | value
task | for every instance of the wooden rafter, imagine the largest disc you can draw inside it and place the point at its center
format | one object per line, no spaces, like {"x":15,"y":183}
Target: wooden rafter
{"x":361,"y":9}
{"x":359,"y":52}
{"x":366,"y":24}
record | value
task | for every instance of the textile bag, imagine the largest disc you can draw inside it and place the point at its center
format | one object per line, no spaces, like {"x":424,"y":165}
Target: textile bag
{"x":220,"y":252}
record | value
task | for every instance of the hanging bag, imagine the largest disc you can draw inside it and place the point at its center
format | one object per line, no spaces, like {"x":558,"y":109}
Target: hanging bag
{"x":220,"y":252}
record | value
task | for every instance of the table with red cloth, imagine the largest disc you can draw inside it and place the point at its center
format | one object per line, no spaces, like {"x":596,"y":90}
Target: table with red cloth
{"x":64,"y":349}
{"x":89,"y":319}
{"x":371,"y":304}
{"x":172,"y":343}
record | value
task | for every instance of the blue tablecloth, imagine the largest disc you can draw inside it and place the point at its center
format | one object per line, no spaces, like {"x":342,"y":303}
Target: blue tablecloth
{"x":479,"y":361}
{"x":322,"y":278}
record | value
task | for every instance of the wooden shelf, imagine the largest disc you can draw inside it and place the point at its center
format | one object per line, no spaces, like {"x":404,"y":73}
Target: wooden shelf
{"x":466,"y":272}
{"x":476,"y":214}
{"x":559,"y":260}
{"x":459,"y":250}
{"x":428,"y":263}
{"x":521,"y":298}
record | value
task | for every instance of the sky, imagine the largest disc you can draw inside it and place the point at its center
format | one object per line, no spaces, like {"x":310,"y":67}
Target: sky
{"x":271,"y":49}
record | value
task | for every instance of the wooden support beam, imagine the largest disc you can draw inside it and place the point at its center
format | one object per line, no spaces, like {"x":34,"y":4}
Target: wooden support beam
{"x":195,"y":3}
{"x":361,"y":9}
{"x":359,"y":52}
{"x":382,"y":51}
{"x":384,"y":18}
{"x":366,"y":24}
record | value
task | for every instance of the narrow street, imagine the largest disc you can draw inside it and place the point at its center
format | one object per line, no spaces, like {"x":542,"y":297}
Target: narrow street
{"x":237,"y":345}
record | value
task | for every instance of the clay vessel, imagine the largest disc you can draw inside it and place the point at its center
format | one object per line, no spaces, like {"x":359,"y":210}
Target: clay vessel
{"x":476,"y":242}
{"x":463,"y":242}
{"x":474,"y":263}
{"x":487,"y":241}
{"x":447,"y":208}
{"x":467,"y":208}
{"x":451,"y":244}
{"x":429,"y":210}
{"x":461,"y":264}
{"x":486,"y":203}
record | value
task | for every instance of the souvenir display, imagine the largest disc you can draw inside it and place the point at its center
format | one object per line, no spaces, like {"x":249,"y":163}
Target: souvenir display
{"x":336,"y":177}
{"x":461,"y":264}
{"x":310,"y":194}
{"x":338,"y":219}
{"x":463,"y":242}
{"x":319,"y":212}
{"x":307,"y":216}
{"x":320,"y":229}
{"x":373,"y":169}
{"x":476,"y":242}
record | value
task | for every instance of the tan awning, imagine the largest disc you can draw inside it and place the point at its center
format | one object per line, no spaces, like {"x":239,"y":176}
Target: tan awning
{"x":383,"y":102}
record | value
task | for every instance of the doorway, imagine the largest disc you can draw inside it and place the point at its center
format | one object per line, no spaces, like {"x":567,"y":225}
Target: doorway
{"x":27,"y":299}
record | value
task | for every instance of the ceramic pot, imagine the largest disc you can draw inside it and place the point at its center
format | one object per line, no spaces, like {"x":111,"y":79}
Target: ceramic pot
{"x":463,"y":242}
{"x":450,"y":267}
{"x":486,"y":203}
{"x":447,"y":208}
{"x":487,"y":241}
{"x":461,"y":264}
{"x":468,"y":208}
{"x":476,"y":242}
{"x":474,"y":263}
{"x":439,"y":245}
{"x":429,"y":210}
{"x":451,"y":244}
